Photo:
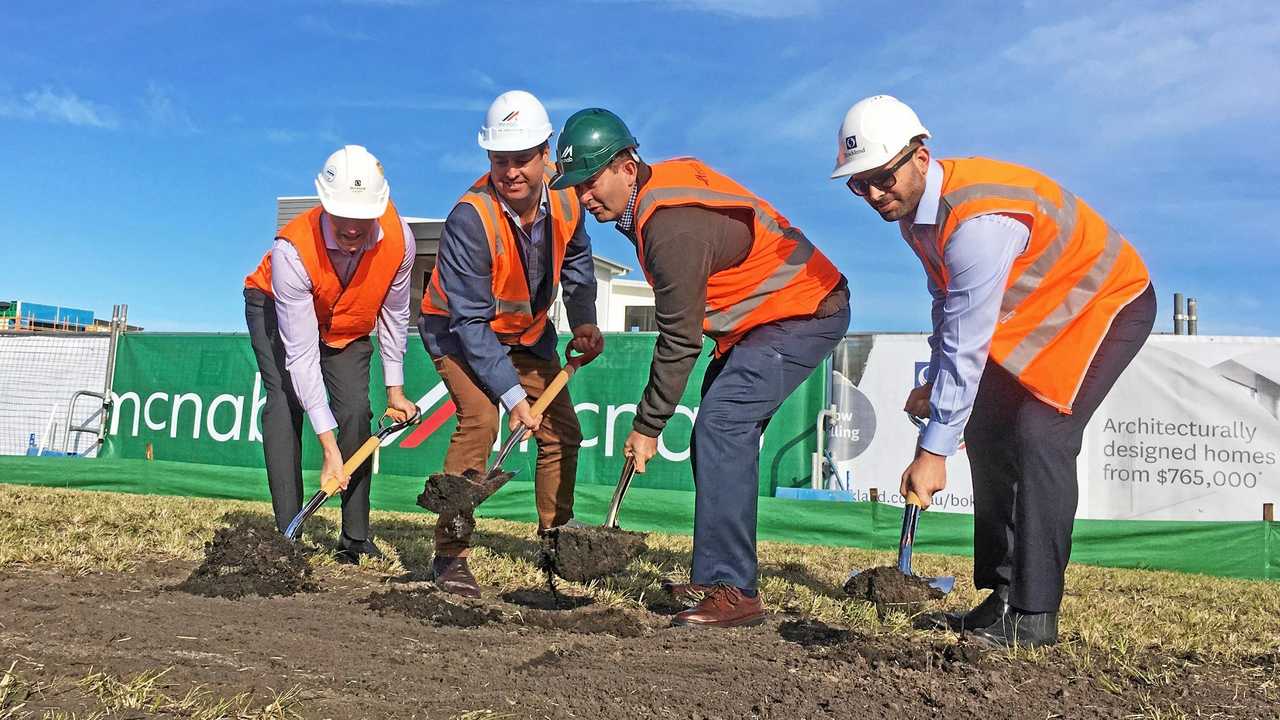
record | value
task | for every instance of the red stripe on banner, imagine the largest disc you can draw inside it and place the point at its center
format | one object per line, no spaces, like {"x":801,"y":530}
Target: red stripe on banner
{"x":430,"y":425}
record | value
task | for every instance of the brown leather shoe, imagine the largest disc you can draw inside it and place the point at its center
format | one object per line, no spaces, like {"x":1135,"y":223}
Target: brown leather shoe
{"x":723,"y":606}
{"x":452,"y":575}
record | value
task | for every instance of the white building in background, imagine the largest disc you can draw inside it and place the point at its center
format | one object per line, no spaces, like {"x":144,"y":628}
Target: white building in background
{"x":621,"y":305}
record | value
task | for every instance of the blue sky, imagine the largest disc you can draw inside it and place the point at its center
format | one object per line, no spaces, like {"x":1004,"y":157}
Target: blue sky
{"x":145,"y":142}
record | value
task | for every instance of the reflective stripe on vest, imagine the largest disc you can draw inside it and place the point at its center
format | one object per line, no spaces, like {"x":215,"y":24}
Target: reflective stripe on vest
{"x":790,"y":287}
{"x":515,"y":320}
{"x":1063,"y":291}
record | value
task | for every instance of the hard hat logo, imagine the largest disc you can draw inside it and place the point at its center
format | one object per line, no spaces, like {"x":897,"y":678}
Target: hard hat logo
{"x":511,"y":116}
{"x":851,"y":142}
{"x":330,"y":174}
{"x":567,"y":155}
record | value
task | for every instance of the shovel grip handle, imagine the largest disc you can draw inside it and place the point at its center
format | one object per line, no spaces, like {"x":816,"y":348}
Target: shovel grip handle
{"x":913,"y":499}
{"x":556,"y":385}
{"x":329,"y":485}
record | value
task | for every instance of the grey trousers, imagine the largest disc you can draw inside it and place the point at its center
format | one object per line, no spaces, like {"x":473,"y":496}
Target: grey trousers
{"x":1022,"y":453}
{"x":346,"y":378}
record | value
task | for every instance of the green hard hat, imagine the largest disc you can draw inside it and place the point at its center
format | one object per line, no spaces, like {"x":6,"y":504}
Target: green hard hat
{"x":590,"y":139}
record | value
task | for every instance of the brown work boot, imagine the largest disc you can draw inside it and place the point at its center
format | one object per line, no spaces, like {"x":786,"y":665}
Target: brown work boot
{"x":452,"y":575}
{"x":723,"y":606}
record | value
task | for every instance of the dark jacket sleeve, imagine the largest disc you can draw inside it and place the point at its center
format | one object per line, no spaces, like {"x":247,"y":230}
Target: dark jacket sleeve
{"x":682,"y":248}
{"x":578,"y":278}
{"x":466,"y":273}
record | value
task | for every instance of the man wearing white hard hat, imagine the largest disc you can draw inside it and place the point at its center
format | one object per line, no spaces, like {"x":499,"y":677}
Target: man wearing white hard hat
{"x":334,"y":274}
{"x":1038,"y":306}
{"x":507,"y":249}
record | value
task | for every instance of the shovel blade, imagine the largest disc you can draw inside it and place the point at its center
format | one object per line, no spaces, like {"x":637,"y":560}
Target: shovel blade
{"x":295,"y":527}
{"x":944,"y":584}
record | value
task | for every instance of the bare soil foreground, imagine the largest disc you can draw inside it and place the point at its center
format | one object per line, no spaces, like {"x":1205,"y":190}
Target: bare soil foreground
{"x":377,"y":641}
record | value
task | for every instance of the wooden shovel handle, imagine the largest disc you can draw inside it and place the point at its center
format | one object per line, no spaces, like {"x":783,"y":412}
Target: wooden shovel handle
{"x":330,"y":484}
{"x":556,"y":385}
{"x":913,"y":499}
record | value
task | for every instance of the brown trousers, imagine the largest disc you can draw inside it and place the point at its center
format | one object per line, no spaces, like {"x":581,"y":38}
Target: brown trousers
{"x":472,"y":442}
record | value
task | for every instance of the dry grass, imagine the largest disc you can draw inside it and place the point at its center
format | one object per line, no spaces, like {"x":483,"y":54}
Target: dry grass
{"x":1116,"y":618}
{"x":26,"y":694}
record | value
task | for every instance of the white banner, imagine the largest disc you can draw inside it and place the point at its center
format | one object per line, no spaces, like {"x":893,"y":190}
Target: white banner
{"x":1191,"y":431}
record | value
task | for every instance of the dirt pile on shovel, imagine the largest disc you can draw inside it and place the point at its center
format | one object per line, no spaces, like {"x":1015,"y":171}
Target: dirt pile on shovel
{"x":249,"y":559}
{"x":447,"y":494}
{"x":888,"y":589}
{"x":579,"y":554}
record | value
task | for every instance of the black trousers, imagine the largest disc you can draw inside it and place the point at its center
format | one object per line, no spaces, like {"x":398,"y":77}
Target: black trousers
{"x":1022,"y":453}
{"x":346,"y":378}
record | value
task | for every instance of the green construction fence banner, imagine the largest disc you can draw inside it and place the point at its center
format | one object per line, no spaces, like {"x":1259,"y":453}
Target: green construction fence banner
{"x":198,"y":398}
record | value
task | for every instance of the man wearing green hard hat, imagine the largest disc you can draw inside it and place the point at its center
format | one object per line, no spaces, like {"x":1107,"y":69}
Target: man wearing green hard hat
{"x":725,"y":264}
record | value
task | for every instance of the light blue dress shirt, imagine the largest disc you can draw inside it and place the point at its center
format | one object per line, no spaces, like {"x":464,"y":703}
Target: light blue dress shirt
{"x":977,"y":258}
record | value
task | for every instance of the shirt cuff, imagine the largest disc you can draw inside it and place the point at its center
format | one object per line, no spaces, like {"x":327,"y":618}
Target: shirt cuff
{"x":512,"y":397}
{"x":392,"y":372}
{"x":940,"y":439}
{"x":321,"y":418}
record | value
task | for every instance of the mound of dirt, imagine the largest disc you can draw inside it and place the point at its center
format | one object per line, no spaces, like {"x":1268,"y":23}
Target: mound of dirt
{"x":439,"y":608}
{"x":875,"y":651}
{"x":249,"y":559}
{"x":447,"y":494}
{"x":888,"y":589}
{"x":579,"y":554}
{"x":436,"y":607}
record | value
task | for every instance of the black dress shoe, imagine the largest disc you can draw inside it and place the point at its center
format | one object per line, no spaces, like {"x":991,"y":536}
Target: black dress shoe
{"x":349,"y":551}
{"x":1019,"y":629}
{"x":988,"y":612}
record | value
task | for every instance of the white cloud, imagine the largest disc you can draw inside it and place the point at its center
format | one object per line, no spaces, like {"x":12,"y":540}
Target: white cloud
{"x":441,"y":103}
{"x":1165,"y":71}
{"x":455,"y":161}
{"x":770,"y":9}
{"x":163,"y":113}
{"x":755,"y":9}
{"x":284,"y":137}
{"x":60,"y":107}
{"x":321,"y":27}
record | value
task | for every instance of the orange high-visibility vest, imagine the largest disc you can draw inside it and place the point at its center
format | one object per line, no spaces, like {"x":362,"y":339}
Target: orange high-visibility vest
{"x":515,"y":320}
{"x":1063,"y":291}
{"x":784,"y":275}
{"x":344,"y":314}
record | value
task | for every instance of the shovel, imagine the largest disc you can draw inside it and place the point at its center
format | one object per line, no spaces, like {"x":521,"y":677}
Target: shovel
{"x":329,"y":485}
{"x":911,"y":518}
{"x":439,"y":495}
{"x":619,"y":492}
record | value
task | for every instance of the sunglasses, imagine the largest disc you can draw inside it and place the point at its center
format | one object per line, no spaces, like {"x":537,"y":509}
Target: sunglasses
{"x":884,"y":181}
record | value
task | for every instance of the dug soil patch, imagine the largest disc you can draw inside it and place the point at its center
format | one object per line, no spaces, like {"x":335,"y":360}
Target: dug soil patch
{"x":357,"y":655}
{"x":579,"y":554}
{"x":888,"y":589}
{"x":250,"y":559}
{"x":439,"y":608}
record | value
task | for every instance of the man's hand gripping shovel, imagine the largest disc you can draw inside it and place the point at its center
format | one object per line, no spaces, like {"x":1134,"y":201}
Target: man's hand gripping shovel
{"x":330,"y":485}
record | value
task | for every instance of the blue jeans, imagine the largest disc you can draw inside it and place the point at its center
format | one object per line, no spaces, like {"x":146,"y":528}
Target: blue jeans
{"x":740,"y":392}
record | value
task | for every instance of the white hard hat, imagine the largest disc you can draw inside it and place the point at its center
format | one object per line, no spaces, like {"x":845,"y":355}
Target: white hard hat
{"x":515,"y":121}
{"x":351,"y":184}
{"x":874,"y":130}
